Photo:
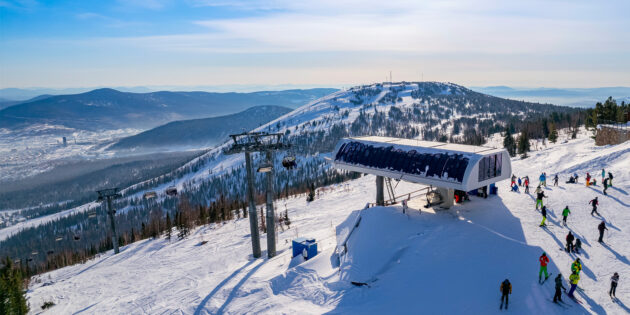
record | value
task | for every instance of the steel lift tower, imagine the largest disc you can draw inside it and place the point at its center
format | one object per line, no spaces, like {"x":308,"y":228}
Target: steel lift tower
{"x":109,"y":194}
{"x":247,"y":143}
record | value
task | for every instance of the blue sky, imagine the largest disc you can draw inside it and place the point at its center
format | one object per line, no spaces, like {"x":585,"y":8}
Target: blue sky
{"x":335,"y":43}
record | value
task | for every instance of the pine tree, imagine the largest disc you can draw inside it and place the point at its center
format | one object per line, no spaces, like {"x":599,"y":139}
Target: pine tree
{"x":553,"y":133}
{"x":523,"y":144}
{"x":12,"y":299}
{"x":169,"y":227}
{"x":509,"y":143}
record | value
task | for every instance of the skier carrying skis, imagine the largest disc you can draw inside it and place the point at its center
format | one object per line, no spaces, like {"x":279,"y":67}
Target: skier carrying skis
{"x":506,"y":290}
{"x":544,"y":260}
{"x":595,"y":203}
{"x":613,"y":285}
{"x":576,"y":266}
{"x":543,"y":211}
{"x":573,"y":278}
{"x":555,"y":180}
{"x":539,"y":197}
{"x":570,"y":239}
{"x":565,"y":214}
{"x":601,"y":227}
{"x":588,"y":179}
{"x":610,"y":178}
{"x":559,"y":287}
{"x":578,"y":246}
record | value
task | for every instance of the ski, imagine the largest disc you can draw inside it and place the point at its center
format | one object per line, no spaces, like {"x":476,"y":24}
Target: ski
{"x":543,"y":282}
{"x":558,"y":303}
{"x":575,"y":300}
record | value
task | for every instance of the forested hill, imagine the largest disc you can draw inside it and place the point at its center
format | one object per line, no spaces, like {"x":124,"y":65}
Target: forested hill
{"x":112,"y":109}
{"x":204,"y":132}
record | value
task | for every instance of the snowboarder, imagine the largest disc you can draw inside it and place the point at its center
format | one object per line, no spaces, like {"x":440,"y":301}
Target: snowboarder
{"x":575,"y":175}
{"x":613,"y":285}
{"x":565,"y":214}
{"x":603,"y":174}
{"x":543,"y":211}
{"x":610,"y":178}
{"x":601,"y":227}
{"x":571,"y":180}
{"x":573,"y":278}
{"x":576,"y":266}
{"x":514,"y":188}
{"x":506,"y":290}
{"x":555,"y":180}
{"x":570,"y":239}
{"x":605,"y":186}
{"x":588,"y":179}
{"x":526,"y":184}
{"x":543,"y":179}
{"x":578,"y":246}
{"x":539,"y":197}
{"x":544,"y":260}
{"x":594,"y":202}
{"x":559,"y":287}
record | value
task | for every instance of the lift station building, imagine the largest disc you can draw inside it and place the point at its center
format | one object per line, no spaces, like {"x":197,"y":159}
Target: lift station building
{"x":445,"y":166}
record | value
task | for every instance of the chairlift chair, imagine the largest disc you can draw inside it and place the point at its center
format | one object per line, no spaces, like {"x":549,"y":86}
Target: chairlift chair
{"x":59,"y":238}
{"x":77,"y":237}
{"x":149,"y":195}
{"x":50,"y":252}
{"x":171,"y":191}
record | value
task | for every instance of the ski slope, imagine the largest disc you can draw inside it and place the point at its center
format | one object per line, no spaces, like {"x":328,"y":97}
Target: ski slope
{"x":434,"y":262}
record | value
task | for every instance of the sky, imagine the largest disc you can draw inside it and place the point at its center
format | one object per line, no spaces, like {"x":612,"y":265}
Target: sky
{"x":62,"y":44}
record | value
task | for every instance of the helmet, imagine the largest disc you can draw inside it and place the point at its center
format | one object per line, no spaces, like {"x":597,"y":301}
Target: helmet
{"x":544,"y":254}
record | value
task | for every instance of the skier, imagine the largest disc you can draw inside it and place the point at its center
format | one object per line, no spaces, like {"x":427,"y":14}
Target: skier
{"x":570,"y":239}
{"x":539,"y":197}
{"x":594,"y":202}
{"x":543,"y":211}
{"x":544,"y":260}
{"x":565,"y":214}
{"x":574,"y":278}
{"x":543,"y":179}
{"x":613,"y":285}
{"x":513,"y":180}
{"x":588,"y":179}
{"x":576,"y":266}
{"x":610,"y":178}
{"x":526,"y":184}
{"x":404,"y":205}
{"x":578,"y":246}
{"x":506,"y":289}
{"x":555,"y":180}
{"x":520,"y":183}
{"x":601,"y":227}
{"x":603,"y":174}
{"x":605,"y":182}
{"x":575,"y":175}
{"x":559,"y":286}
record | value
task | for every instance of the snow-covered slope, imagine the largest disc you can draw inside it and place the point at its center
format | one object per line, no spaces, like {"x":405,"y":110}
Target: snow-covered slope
{"x":437,"y":262}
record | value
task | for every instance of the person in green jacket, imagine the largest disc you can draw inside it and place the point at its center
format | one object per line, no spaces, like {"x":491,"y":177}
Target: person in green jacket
{"x":565,"y":214}
{"x":576,"y":266}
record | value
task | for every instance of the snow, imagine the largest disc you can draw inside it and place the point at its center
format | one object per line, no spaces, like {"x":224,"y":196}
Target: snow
{"x":443,"y":261}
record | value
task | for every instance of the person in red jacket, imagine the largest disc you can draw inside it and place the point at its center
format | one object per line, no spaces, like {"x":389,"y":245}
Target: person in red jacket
{"x":544,"y":260}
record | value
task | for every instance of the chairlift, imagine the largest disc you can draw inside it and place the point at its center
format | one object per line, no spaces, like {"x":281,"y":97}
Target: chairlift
{"x":171,"y":191}
{"x":34,"y":253}
{"x":149,"y":195}
{"x":59,"y":238}
{"x":50,"y":252}
{"x":289,"y":162}
{"x":265,"y":168}
{"x":76,"y":237}
{"x":92,"y":214}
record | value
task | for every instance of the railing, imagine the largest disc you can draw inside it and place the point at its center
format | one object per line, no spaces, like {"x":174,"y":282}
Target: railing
{"x":407,"y":196}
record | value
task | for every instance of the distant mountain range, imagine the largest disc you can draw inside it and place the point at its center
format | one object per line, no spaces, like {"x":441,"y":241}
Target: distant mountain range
{"x":200,"y":132}
{"x":112,"y":109}
{"x":579,"y":97}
